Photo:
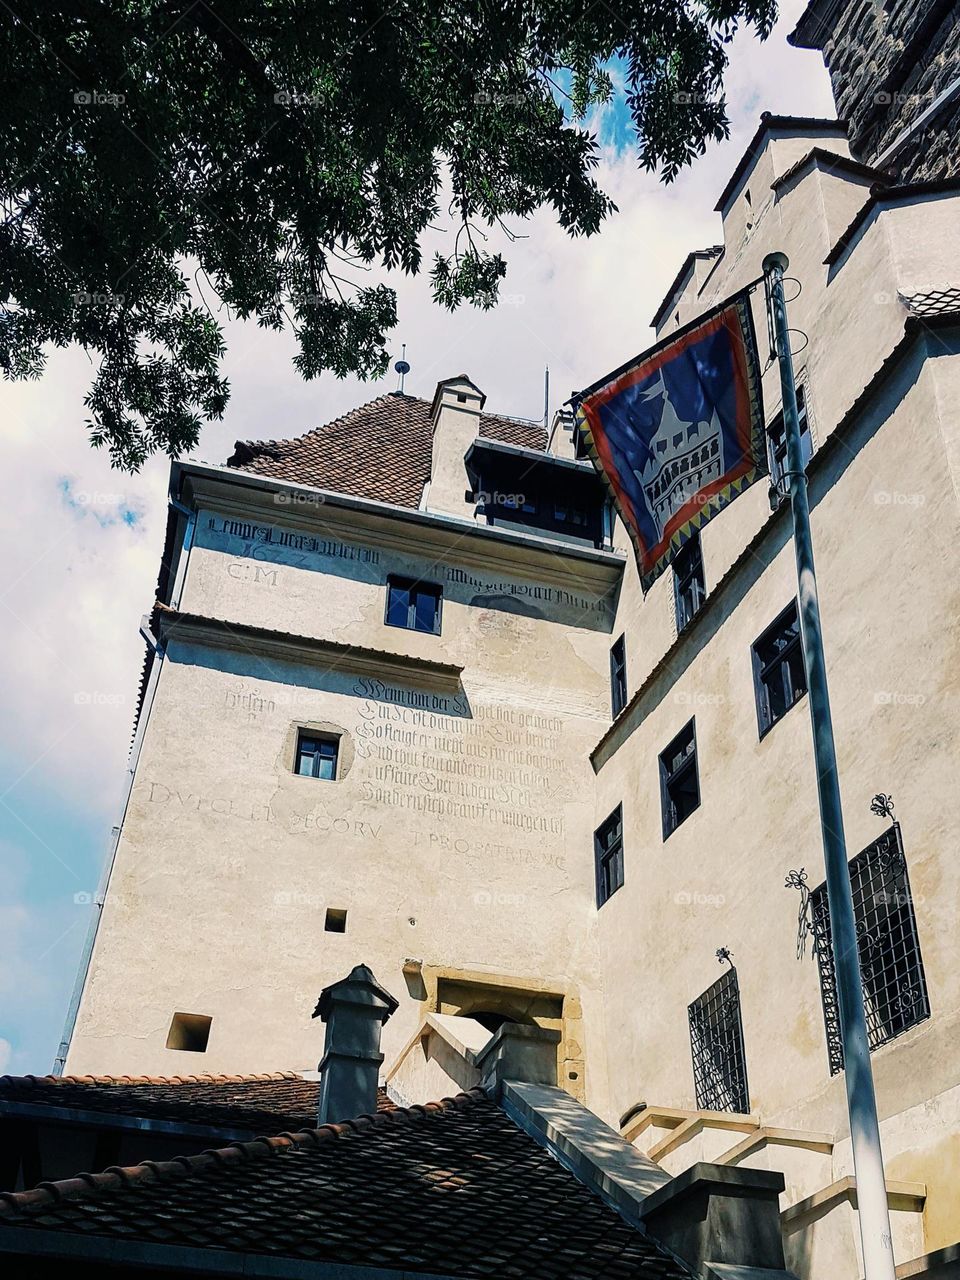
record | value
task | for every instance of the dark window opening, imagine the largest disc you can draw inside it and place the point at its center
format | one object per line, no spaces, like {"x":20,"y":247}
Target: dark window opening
{"x":490,"y":1019}
{"x":716,"y":1041}
{"x":317,"y":757}
{"x":608,"y":853}
{"x":679,"y":781}
{"x":777,"y":450}
{"x":190,"y":1032}
{"x":618,"y":676}
{"x":335,"y":920}
{"x":413,"y":605}
{"x":547,"y":498}
{"x":779,"y":677}
{"x":891,"y":966}
{"x":689,"y":587}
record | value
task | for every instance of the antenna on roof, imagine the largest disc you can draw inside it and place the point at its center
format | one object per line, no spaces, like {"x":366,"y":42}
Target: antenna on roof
{"x":546,"y":398}
{"x":402,"y":368}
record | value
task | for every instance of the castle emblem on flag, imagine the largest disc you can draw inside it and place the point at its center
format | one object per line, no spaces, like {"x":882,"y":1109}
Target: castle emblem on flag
{"x":678,"y":433}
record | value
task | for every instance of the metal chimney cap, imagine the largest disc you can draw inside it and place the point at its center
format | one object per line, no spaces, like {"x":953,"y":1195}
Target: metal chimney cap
{"x":359,"y":987}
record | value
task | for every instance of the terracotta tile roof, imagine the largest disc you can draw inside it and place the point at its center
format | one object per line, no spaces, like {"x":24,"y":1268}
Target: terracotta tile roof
{"x":258,"y":1103}
{"x":382,"y":450}
{"x":452,"y":1188}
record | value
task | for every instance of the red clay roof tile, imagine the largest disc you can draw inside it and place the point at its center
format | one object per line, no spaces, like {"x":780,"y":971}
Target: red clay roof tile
{"x":452,"y":1187}
{"x":381,"y":450}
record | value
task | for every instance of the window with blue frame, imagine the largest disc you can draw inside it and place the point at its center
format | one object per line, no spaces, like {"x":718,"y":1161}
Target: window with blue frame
{"x":317,"y":756}
{"x":413,"y":605}
{"x":618,"y":676}
{"x":608,"y":855}
{"x":679,"y":779}
{"x":689,"y":585}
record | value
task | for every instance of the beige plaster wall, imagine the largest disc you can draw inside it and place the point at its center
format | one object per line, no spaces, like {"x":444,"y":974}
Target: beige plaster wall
{"x":885,"y":532}
{"x":459,"y":833}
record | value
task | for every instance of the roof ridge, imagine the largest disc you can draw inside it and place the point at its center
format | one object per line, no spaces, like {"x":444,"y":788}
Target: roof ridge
{"x":334,"y":422}
{"x":87,"y":1185}
{"x":205,"y":1077}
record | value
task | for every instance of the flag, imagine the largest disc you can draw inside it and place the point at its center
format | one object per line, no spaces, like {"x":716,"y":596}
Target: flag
{"x":678,"y":432}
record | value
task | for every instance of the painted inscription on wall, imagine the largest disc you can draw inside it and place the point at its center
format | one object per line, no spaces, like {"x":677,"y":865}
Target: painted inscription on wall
{"x":261,"y":536}
{"x":497,"y":766}
{"x":527,"y":592}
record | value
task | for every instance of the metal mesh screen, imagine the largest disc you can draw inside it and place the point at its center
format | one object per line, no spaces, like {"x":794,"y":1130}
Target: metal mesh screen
{"x":894,"y":986}
{"x":716,"y":1039}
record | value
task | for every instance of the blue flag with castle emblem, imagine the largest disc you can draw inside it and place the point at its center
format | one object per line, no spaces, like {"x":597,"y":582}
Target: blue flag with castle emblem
{"x":678,"y":433}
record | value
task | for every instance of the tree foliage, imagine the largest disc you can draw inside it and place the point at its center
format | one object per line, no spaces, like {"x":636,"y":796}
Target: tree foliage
{"x":272,"y":154}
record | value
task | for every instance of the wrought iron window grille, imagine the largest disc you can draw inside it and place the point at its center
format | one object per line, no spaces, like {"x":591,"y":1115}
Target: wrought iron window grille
{"x":891,"y":965}
{"x":716,"y":1042}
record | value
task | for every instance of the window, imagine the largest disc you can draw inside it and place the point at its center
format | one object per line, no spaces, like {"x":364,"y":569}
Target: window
{"x":777,"y":450}
{"x":779,"y":677}
{"x":618,"y":676}
{"x":317,"y":757}
{"x":413,"y":605}
{"x":679,"y":783}
{"x":189,"y":1031}
{"x":335,"y":920}
{"x":716,"y":1041}
{"x":689,"y":589}
{"x":891,"y":967}
{"x":608,"y":852}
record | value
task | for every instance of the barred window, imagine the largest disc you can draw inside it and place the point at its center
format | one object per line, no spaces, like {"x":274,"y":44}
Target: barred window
{"x":891,"y":966}
{"x":716,"y":1041}
{"x":608,"y":853}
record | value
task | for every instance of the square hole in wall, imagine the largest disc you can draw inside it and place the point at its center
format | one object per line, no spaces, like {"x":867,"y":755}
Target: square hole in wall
{"x":189,"y":1031}
{"x":335,"y":920}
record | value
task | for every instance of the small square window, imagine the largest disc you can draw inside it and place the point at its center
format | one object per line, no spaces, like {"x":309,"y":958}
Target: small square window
{"x":679,"y":780}
{"x":779,"y":677}
{"x":777,"y":450}
{"x":618,"y":676}
{"x":608,"y":853}
{"x":413,"y":605}
{"x":316,"y":756}
{"x":189,"y":1031}
{"x":689,"y":587}
{"x":335,"y":921}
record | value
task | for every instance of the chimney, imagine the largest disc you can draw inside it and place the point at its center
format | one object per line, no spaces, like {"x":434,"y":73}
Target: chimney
{"x":354,"y":1010}
{"x":456,"y":424}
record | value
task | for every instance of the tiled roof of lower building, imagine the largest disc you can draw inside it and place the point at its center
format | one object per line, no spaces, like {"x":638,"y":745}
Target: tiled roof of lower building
{"x":382,"y":450}
{"x":452,"y":1188}
{"x":258,"y":1103}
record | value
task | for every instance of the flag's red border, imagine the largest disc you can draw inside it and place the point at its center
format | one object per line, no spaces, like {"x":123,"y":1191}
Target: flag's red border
{"x":730,"y":319}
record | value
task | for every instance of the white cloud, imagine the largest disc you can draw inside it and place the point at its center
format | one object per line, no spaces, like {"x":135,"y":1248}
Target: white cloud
{"x":87,"y":540}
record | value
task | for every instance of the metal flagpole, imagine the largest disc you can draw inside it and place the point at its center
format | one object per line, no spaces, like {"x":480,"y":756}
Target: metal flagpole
{"x":878,"y":1261}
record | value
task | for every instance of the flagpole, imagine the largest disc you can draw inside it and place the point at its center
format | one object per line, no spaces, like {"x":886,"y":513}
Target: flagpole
{"x":878,"y":1260}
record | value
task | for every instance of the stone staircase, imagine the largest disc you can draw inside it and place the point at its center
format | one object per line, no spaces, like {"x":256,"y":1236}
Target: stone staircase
{"x":817,"y":1207}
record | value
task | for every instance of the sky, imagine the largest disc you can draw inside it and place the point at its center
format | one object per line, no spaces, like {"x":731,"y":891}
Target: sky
{"x":86,"y":540}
